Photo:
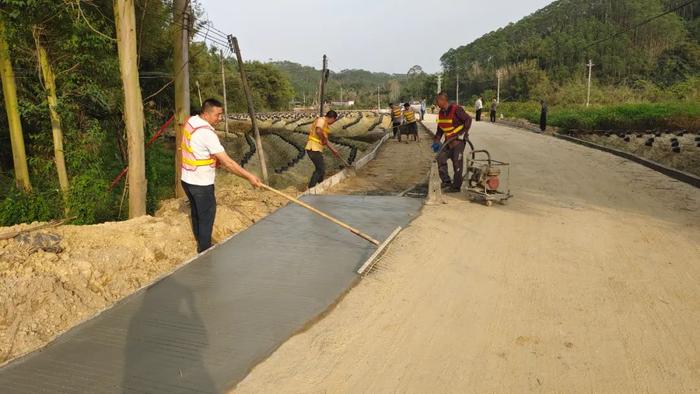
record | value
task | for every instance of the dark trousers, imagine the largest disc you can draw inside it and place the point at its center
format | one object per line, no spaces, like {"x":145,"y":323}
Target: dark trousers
{"x":320,"y":167}
{"x":455,"y":152}
{"x":422,"y":114}
{"x":203,"y":212}
{"x":395,"y":128}
{"x":543,"y":121}
{"x":493,"y":116}
{"x":478,"y":115}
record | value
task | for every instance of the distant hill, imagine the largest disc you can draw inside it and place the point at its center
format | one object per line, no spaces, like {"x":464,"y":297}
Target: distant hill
{"x":358,"y":85}
{"x":551,"y":47}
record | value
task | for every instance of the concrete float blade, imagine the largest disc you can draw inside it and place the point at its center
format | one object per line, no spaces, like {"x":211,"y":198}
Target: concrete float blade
{"x":202,"y":329}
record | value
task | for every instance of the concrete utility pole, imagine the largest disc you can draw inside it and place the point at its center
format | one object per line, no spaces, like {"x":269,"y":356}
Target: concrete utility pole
{"x":379,"y":104}
{"x":439,"y":86}
{"x":9,"y":91}
{"x":181,"y":71}
{"x":125,"y":22}
{"x":233,"y":43}
{"x":223,"y":83}
{"x":457,"y":93}
{"x":498,"y":88}
{"x":590,"y":71}
{"x":323,"y":85}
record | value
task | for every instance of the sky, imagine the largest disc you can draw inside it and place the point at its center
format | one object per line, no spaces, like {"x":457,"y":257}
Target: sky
{"x":380,"y":35}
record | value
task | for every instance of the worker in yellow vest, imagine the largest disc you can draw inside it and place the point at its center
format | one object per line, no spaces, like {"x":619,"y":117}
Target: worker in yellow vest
{"x":395,"y":119}
{"x":453,"y":125}
{"x":318,"y":139}
{"x":410,"y":124}
{"x":202,"y":153}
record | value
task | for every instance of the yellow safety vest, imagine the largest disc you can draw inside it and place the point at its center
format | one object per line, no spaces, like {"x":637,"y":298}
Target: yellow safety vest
{"x":410,"y":115}
{"x":312,"y":134}
{"x":189,"y":161}
{"x":396,"y":112}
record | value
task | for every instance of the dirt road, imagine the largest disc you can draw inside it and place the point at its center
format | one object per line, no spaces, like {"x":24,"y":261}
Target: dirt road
{"x":397,"y":167}
{"x":588,"y":281}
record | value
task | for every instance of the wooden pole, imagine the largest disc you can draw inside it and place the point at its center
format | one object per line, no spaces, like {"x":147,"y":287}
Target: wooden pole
{"x":233,"y":43}
{"x":49,"y":80}
{"x":181,"y":71}
{"x":223,"y":82}
{"x":9,"y":91}
{"x":322,"y":92}
{"x":125,"y":22}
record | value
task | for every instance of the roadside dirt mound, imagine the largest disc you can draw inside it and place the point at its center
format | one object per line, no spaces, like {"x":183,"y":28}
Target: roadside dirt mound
{"x":44,"y":293}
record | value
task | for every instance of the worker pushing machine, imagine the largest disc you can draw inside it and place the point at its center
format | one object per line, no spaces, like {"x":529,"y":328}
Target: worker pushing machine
{"x":318,"y":139}
{"x":395,"y":119}
{"x":453,"y":124}
{"x":202,"y":153}
{"x":410,"y":126}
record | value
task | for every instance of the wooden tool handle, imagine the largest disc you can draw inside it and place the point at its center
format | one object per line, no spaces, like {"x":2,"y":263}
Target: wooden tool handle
{"x":322,"y":214}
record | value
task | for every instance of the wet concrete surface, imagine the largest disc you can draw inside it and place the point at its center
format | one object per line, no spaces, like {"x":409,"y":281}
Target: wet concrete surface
{"x":203,"y":328}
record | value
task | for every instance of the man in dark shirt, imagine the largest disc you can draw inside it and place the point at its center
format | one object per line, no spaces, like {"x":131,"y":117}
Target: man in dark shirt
{"x":453,"y":124}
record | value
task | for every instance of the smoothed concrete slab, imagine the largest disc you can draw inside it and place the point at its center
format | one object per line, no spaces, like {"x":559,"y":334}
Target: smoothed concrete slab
{"x":203,"y":328}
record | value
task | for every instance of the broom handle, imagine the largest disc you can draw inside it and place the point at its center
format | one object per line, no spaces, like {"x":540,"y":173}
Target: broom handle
{"x":316,"y":211}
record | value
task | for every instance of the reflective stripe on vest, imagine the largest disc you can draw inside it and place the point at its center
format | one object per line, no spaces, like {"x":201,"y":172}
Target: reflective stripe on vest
{"x":189,"y":161}
{"x":312,"y":131}
{"x":447,"y":124}
{"x":396,"y":112}
{"x":410,"y":116}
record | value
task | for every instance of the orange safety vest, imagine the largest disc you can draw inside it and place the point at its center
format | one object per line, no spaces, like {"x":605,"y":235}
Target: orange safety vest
{"x":447,"y":123}
{"x":410,"y":115}
{"x":396,"y":112}
{"x":312,"y":131}
{"x":189,"y":161}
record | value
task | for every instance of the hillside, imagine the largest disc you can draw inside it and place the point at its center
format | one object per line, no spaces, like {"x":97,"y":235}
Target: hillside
{"x":550,"y":48}
{"x":358,"y":85}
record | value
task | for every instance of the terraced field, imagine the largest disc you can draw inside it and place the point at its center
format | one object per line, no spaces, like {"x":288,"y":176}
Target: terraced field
{"x":284,"y":136}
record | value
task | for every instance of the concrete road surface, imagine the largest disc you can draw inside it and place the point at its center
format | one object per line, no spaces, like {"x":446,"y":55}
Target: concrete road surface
{"x":587,"y":281}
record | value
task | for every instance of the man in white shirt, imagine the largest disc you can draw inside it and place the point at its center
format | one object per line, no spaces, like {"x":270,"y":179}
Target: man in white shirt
{"x":202,"y":153}
{"x":479,"y":106}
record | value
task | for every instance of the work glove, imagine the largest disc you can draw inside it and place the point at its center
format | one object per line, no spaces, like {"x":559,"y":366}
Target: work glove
{"x":436,"y":147}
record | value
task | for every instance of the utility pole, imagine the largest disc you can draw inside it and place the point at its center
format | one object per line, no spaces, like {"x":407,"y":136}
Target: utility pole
{"x":341,"y":94}
{"x":181,"y":71}
{"x":9,"y":91}
{"x":304,"y":99}
{"x":233,"y":43}
{"x":379,"y":104}
{"x":590,"y":71}
{"x":498,"y":88}
{"x":457,"y":93}
{"x":323,"y":85}
{"x":223,"y":83}
{"x":199,"y":93}
{"x":125,"y":22}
